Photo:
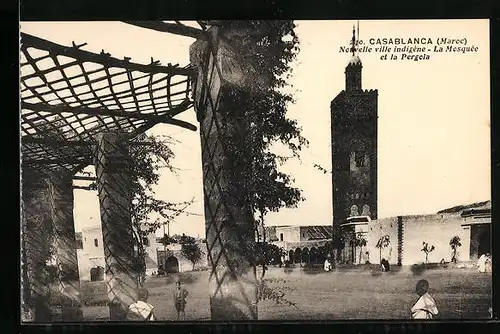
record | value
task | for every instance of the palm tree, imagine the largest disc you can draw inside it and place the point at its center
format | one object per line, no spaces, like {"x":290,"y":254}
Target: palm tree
{"x":383,"y":242}
{"x":427,"y":250}
{"x":360,"y":242}
{"x":455,"y":243}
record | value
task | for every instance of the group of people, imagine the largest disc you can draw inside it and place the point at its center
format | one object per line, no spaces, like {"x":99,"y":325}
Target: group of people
{"x":424,"y":308}
{"x":484,"y":263}
{"x":144,"y":311}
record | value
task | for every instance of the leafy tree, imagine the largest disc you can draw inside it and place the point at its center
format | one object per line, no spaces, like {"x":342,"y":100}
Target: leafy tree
{"x":190,"y":249}
{"x":454,"y":244}
{"x":268,"y":49}
{"x":360,"y":241}
{"x":149,"y":155}
{"x":427,"y":249}
{"x":338,"y":241}
{"x":168,"y":240}
{"x":267,"y":253}
{"x":382,"y":243}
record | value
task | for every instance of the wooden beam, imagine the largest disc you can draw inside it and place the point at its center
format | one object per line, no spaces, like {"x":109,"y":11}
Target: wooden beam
{"x":172,"y":28}
{"x":102,"y":58}
{"x":60,"y":142}
{"x":84,"y":188}
{"x":84,"y":178}
{"x":55,"y":142}
{"x":57,"y":109}
{"x":58,"y":161}
{"x":155,"y":119}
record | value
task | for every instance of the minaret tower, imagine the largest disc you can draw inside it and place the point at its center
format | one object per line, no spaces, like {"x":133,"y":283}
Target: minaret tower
{"x":354,"y":114}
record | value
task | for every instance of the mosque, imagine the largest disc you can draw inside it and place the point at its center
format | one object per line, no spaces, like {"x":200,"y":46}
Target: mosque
{"x":354,"y":123}
{"x":400,"y":240}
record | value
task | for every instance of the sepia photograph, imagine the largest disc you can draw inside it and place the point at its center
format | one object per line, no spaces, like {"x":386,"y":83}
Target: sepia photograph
{"x":183,"y":171}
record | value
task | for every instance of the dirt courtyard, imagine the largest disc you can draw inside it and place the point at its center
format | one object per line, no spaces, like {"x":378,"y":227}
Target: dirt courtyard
{"x":342,"y":294}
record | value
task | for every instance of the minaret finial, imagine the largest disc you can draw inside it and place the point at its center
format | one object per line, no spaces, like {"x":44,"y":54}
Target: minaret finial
{"x":357,"y":37}
{"x":353,"y":40}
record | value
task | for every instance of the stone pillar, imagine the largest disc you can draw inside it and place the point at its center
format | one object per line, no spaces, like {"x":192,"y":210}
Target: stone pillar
{"x":35,"y":254}
{"x":60,"y":188}
{"x":221,"y":85}
{"x":115,"y":199}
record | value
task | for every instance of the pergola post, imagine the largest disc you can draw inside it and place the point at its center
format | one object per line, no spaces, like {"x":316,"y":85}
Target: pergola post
{"x":228,"y":217}
{"x":35,"y":254}
{"x":61,"y":201}
{"x":115,"y":199}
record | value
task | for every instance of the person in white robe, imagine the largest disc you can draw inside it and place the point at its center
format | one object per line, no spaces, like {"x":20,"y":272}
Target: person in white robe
{"x":141,"y":310}
{"x":328,"y":265}
{"x":425,"y":307}
{"x":481,"y":264}
{"x":487,"y":264}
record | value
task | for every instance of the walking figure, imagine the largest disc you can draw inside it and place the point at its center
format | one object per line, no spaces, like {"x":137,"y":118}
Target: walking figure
{"x":180,"y":295}
{"x":425,"y":307}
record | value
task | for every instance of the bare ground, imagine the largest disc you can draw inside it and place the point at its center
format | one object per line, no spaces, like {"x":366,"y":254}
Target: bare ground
{"x":360,"y":293}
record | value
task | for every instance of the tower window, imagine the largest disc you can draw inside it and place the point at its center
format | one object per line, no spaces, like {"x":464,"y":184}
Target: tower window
{"x":145,"y":241}
{"x":96,"y":242}
{"x":359,"y":158}
{"x":281,"y":236}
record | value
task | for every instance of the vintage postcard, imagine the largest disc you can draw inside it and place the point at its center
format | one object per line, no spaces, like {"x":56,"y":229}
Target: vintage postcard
{"x":255,"y":170}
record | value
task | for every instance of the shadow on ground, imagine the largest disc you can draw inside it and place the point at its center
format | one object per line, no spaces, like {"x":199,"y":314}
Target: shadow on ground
{"x":345,"y":293}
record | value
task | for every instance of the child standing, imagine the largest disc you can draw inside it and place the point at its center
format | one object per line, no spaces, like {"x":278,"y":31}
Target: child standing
{"x":180,"y":295}
{"x":425,"y":307}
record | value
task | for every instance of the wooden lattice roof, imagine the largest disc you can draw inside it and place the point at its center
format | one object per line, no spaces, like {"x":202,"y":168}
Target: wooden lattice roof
{"x":69,"y":95}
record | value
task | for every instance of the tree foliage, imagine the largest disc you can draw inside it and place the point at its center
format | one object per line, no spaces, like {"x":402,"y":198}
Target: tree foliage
{"x":267,"y":254}
{"x":190,"y":248}
{"x":359,"y":241}
{"x":269,"y":49}
{"x":338,"y":241}
{"x":382,"y":243}
{"x":427,"y":249}
{"x":150,"y":155}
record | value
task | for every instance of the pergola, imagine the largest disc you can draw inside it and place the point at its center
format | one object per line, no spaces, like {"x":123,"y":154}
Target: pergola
{"x":80,"y":108}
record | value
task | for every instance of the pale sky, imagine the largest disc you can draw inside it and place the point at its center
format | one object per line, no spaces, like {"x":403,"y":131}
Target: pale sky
{"x":433,"y":126}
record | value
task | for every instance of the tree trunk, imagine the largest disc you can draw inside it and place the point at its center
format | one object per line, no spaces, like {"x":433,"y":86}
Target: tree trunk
{"x":35,"y":220}
{"x":115,"y":199}
{"x":229,"y":221}
{"x":61,"y":200}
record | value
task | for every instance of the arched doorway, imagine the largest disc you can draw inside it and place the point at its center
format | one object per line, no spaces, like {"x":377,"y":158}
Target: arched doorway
{"x":291,"y":259}
{"x":96,"y":274}
{"x":314,"y":255}
{"x":484,"y":243}
{"x":305,"y":255}
{"x":298,"y":255}
{"x":172,"y":265}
